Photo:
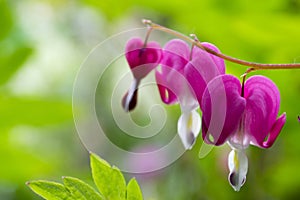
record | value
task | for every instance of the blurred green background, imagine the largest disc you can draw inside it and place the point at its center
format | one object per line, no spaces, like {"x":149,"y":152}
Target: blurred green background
{"x":43,"y":43}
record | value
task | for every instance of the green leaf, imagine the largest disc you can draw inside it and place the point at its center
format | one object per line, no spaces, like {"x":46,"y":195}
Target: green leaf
{"x":50,"y":190}
{"x":109,"y":180}
{"x":133,"y":190}
{"x":81,"y":190}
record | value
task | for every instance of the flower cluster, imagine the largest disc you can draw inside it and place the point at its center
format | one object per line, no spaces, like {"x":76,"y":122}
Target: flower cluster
{"x":236,"y":113}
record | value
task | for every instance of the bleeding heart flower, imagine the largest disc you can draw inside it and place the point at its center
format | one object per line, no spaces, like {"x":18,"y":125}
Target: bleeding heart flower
{"x":203,"y":68}
{"x":241,"y":115}
{"x":142,"y":58}
{"x":176,"y":82}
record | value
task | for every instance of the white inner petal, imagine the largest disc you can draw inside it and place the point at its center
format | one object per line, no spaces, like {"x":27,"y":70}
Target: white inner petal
{"x":240,"y":140}
{"x":187,"y":100}
{"x":189,"y":125}
{"x":238,"y":167}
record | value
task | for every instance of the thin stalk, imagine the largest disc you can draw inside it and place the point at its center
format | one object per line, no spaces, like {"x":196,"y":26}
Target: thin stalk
{"x":244,"y":79}
{"x":147,"y":36}
{"x":254,"y":65}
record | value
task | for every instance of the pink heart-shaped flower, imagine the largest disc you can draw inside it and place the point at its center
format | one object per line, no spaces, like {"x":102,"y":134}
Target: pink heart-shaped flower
{"x":142,"y":59}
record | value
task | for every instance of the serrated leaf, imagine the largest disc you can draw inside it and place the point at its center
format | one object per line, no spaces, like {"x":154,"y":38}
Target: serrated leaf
{"x":50,"y":190}
{"x":133,"y":190}
{"x":110,"y":181}
{"x":81,"y":190}
{"x":118,"y":182}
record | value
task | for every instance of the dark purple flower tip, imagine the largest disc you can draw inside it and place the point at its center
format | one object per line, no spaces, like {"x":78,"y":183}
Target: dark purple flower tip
{"x":130,"y":102}
{"x":142,"y":59}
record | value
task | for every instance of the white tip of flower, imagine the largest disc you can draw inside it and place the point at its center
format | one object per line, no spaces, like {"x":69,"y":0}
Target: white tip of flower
{"x":188,"y":127}
{"x":238,"y":167}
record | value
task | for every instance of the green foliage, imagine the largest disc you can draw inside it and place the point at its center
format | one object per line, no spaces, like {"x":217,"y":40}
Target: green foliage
{"x":50,"y":190}
{"x":80,"y":190}
{"x":103,"y":174}
{"x":133,"y":190}
{"x":109,"y":181}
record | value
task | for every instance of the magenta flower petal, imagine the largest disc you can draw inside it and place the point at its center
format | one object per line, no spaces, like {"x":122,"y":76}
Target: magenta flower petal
{"x":203,"y":68}
{"x":262,"y":107}
{"x":166,"y":93}
{"x":222,"y":108}
{"x":142,"y":59}
{"x":175,"y":55}
{"x":170,"y":80}
{"x":217,"y":60}
{"x":277,"y":127}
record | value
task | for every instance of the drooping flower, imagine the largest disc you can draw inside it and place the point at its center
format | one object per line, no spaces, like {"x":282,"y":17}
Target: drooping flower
{"x":241,"y":115}
{"x":141,"y":58}
{"x":203,"y":69}
{"x":180,"y":66}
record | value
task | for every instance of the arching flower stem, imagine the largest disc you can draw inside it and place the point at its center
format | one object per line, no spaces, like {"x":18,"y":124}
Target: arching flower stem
{"x":254,"y":65}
